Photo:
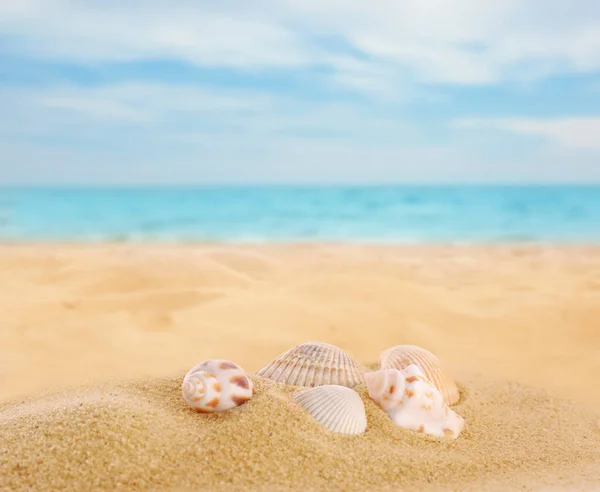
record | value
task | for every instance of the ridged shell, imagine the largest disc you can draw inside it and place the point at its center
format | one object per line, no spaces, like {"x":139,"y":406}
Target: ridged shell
{"x":314,"y":364}
{"x":338,"y":408}
{"x":401,"y":356}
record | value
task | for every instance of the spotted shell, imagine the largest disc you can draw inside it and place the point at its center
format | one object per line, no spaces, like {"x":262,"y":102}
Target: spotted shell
{"x":413,"y":402}
{"x":338,"y":408}
{"x":216,"y":385}
{"x":401,"y":356}
{"x":314,"y":364}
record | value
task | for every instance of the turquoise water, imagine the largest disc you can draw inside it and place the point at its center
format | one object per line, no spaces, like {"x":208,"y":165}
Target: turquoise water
{"x":404,"y":214}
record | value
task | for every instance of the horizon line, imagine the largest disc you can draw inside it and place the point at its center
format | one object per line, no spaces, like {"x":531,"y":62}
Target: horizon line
{"x":172,"y":186}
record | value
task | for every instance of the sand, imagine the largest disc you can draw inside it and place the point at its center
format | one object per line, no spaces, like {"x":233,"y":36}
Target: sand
{"x":94,"y":342}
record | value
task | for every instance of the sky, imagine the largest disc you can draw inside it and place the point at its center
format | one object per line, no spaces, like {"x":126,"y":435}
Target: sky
{"x":299,"y":91}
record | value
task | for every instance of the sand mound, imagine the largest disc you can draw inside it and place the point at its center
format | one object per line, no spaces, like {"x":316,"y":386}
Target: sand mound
{"x":83,"y":315}
{"x":142,"y":435}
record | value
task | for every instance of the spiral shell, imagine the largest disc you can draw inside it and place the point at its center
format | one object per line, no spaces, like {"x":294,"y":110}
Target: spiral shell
{"x":314,"y":364}
{"x":401,"y":356}
{"x":216,"y":385}
{"x":413,"y":402}
{"x":337,"y":408}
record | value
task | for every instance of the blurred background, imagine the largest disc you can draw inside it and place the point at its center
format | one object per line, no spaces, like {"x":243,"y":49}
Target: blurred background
{"x":342,"y":95}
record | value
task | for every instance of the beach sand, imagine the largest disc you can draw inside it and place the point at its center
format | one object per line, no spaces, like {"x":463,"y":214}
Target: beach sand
{"x":95,"y":340}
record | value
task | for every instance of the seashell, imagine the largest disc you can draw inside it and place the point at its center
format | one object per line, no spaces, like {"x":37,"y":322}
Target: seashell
{"x":314,"y":364}
{"x":401,"y":356}
{"x":216,"y":385}
{"x":339,"y":408}
{"x":413,"y":402}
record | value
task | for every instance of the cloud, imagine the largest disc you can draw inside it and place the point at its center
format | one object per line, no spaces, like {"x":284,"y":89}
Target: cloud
{"x":178,"y":113}
{"x":433,"y":41}
{"x":89,"y":32}
{"x":200,"y":91}
{"x":246,"y":160}
{"x":96,"y":108}
{"x":164,"y":133}
{"x":67,"y":109}
{"x":581,"y":133}
{"x":138,"y":102}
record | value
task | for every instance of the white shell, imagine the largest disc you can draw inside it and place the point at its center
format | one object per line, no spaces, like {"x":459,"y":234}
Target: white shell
{"x":314,"y":364}
{"x":216,"y":385}
{"x":338,"y":408}
{"x":413,"y":402}
{"x":402,"y":356}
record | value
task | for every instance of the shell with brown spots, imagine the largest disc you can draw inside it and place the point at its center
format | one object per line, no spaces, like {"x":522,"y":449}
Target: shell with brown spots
{"x":216,"y":385}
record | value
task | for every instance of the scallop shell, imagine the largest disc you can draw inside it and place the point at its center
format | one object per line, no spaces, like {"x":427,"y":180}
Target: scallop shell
{"x":314,"y":364}
{"x":401,"y":356}
{"x":413,"y":402}
{"x":216,"y":385}
{"x":338,"y":408}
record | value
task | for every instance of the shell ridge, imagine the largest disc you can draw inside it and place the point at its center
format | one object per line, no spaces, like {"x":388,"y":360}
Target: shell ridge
{"x":314,"y":364}
{"x":337,"y":408}
{"x":333,"y":416}
{"x":401,"y":356}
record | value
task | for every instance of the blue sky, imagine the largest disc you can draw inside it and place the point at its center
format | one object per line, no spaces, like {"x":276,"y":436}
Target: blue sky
{"x":156,"y":92}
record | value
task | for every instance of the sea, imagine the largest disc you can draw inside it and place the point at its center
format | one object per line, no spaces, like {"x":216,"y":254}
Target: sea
{"x":258,"y":214}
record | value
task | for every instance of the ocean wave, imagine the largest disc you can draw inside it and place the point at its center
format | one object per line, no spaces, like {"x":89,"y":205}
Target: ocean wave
{"x":401,"y":214}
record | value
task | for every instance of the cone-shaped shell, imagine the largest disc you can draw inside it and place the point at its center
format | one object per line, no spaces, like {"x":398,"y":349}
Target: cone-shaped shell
{"x":402,"y":356}
{"x":413,"y":402}
{"x":314,"y":364}
{"x":337,"y":408}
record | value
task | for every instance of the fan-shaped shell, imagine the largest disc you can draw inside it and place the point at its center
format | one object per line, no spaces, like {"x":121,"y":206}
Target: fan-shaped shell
{"x":314,"y":364}
{"x":338,"y":408}
{"x":402,"y":356}
{"x":216,"y":385}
